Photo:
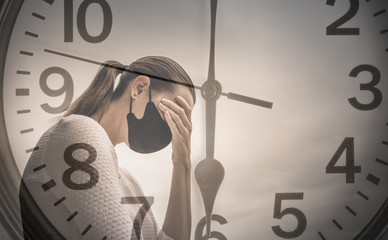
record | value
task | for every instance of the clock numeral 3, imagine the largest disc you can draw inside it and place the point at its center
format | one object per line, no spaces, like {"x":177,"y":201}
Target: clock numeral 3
{"x":68,"y":88}
{"x":83,"y":166}
{"x":334,"y":28}
{"x":298,"y":214}
{"x":81,"y":21}
{"x":371,"y":86}
{"x":138,"y":221}
{"x":213,"y":234}
{"x":349,"y":169}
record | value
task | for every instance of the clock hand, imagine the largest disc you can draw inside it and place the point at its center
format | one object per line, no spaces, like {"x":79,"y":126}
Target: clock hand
{"x":254,"y":101}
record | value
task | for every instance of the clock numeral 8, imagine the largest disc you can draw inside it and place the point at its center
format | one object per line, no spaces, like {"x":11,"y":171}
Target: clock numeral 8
{"x":371,"y":86}
{"x":67,"y":88}
{"x":81,"y":21}
{"x":298,"y":214}
{"x":83,"y":166}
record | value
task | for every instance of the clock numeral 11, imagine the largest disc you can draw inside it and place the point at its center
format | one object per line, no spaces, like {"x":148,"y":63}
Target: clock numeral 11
{"x":81,"y":21}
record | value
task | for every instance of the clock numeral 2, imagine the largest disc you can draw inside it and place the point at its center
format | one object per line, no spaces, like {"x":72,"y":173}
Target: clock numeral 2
{"x":138,"y":221}
{"x":334,"y":28}
{"x":81,"y":21}
{"x":371,"y":86}
{"x":349,"y":169}
{"x":298,"y":214}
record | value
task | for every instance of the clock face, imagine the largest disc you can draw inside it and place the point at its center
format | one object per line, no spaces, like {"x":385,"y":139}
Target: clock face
{"x":314,"y":166}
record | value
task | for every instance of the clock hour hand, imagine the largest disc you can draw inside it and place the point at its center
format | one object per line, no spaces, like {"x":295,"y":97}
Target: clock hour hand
{"x":245,"y":99}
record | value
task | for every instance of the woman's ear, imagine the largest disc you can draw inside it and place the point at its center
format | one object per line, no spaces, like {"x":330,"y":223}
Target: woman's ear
{"x":140,"y":85}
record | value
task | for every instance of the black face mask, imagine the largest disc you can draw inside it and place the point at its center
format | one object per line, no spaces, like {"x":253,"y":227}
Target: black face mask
{"x":149,"y":134}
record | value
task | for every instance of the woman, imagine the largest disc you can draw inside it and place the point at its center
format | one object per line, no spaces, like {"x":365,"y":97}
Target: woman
{"x":73,"y":176}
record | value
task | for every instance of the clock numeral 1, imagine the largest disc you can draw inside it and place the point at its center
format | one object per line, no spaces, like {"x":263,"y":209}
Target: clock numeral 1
{"x":81,"y":21}
{"x":67,"y":88}
{"x":371,"y":87}
{"x":298,"y":214}
{"x":334,"y":28}
{"x":349,"y":169}
{"x":138,"y":221}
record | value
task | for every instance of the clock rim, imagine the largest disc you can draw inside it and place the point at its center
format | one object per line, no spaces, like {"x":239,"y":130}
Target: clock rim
{"x":376,"y":228}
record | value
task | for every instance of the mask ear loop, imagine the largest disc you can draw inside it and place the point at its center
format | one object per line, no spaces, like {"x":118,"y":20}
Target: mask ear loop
{"x":150,"y":93}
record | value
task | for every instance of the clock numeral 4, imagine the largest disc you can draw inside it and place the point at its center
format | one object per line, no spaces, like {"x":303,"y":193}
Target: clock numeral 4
{"x":371,"y":87}
{"x":81,"y":21}
{"x":334,"y":28}
{"x":349,"y":169}
{"x":297,"y":213}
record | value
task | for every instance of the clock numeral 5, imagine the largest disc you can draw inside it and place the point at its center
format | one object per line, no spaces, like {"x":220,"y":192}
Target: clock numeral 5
{"x":67,"y":88}
{"x":371,"y":86}
{"x":298,"y":214}
{"x":334,"y":28}
{"x":349,"y":169}
{"x":138,"y":221}
{"x":81,"y":21}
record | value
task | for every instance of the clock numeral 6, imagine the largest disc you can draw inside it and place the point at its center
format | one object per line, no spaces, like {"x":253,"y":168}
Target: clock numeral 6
{"x":349,"y":169}
{"x":83,"y":166}
{"x":298,"y":214}
{"x":371,"y":86}
{"x":81,"y":21}
{"x":213,"y":234}
{"x":67,"y":88}
{"x":334,"y":28}
{"x":138,"y":221}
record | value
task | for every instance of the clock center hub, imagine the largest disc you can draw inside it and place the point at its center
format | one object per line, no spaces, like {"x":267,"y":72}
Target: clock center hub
{"x":211,"y":90}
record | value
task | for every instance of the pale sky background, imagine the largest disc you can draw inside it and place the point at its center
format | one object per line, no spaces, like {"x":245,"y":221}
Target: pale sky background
{"x":275,"y":50}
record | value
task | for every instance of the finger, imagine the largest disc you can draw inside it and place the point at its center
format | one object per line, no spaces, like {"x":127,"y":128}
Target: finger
{"x":171,"y":123}
{"x":175,"y":117}
{"x":185,"y":106}
{"x":179,"y":110}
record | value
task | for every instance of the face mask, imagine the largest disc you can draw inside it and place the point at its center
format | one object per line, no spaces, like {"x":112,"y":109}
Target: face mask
{"x":149,"y":134}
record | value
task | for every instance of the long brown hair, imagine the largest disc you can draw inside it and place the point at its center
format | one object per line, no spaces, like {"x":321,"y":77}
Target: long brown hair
{"x":164,"y":73}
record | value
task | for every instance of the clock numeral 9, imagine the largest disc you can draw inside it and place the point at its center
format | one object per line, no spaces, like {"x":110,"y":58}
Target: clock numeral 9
{"x":67,"y":88}
{"x":83,"y":166}
{"x":81,"y":21}
{"x":334,"y":28}
{"x":138,"y":221}
{"x":213,"y":234}
{"x":349,"y":169}
{"x":298,"y":214}
{"x":371,"y":86}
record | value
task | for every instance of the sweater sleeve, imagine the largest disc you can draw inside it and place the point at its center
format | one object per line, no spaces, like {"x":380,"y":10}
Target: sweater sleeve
{"x":74,"y":179}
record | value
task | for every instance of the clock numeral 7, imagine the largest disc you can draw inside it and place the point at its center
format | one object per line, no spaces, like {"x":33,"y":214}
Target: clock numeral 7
{"x":334,"y":28}
{"x":298,"y":214}
{"x":138,"y":221}
{"x":81,"y":21}
{"x":349,"y":169}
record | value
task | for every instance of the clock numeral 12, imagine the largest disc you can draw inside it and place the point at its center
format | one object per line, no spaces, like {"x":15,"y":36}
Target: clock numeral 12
{"x":81,"y":21}
{"x":334,"y":28}
{"x":298,"y":214}
{"x":349,"y":169}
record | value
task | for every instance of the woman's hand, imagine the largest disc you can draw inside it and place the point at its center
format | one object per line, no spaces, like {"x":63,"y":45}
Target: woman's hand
{"x":178,"y":118}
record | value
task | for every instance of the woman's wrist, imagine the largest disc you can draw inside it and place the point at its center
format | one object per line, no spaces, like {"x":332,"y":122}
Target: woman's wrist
{"x":184,"y":166}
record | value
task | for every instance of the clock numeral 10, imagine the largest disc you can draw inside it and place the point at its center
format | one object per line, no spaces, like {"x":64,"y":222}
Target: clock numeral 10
{"x":298,"y":214}
{"x":371,"y":87}
{"x":334,"y":28}
{"x":349,"y":169}
{"x":81,"y":21}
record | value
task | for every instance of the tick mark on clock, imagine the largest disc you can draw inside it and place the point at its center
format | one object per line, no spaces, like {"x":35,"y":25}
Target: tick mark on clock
{"x":351,"y":210}
{"x":379,"y":13}
{"x":363,"y":195}
{"x":31,"y":34}
{"x":373,"y":179}
{"x":321,"y":235}
{"x":72,"y":216}
{"x":20,"y":72}
{"x":381,"y":161}
{"x":48,"y":185}
{"x":385,"y":142}
{"x":26,"y":130}
{"x":384,"y":31}
{"x":26,"y":53}
{"x":39,"y":167}
{"x":23,"y":111}
{"x":104,"y":238}
{"x":59,"y":201}
{"x":86,"y":230}
{"x":38,"y":16}
{"x":49,"y":1}
{"x":32,"y":149}
{"x":337,"y":224}
{"x":22,"y":92}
